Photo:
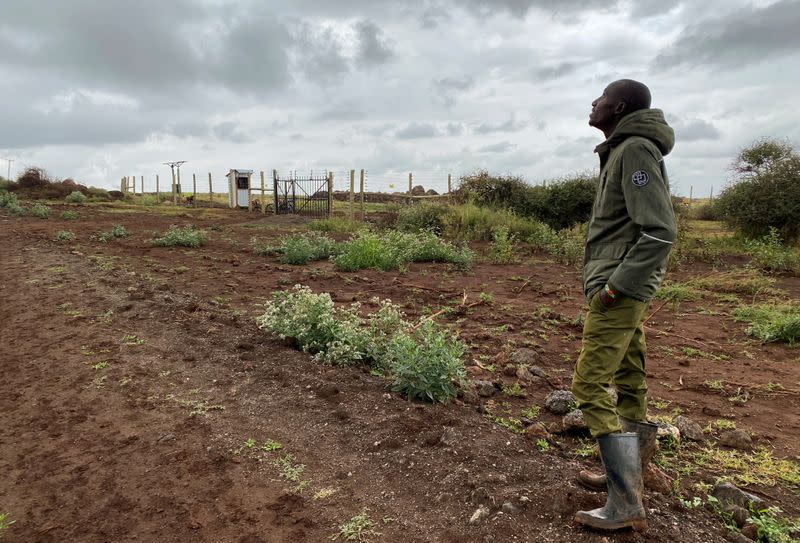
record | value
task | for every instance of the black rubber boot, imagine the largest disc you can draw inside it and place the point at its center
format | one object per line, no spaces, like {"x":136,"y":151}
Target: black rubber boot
{"x":647,"y":434}
{"x":623,"y":508}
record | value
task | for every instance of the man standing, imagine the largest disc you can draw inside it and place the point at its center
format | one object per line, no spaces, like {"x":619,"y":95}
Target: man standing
{"x":631,"y":232}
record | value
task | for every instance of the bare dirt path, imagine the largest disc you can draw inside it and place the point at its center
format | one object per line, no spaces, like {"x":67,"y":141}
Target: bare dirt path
{"x":133,"y":378}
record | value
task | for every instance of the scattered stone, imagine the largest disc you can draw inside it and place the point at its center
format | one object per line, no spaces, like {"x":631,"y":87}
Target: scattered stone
{"x":431,"y":192}
{"x":327,"y":391}
{"x":537,"y":430}
{"x":485,"y":389}
{"x":523,"y":374}
{"x":450,"y":437}
{"x":667,"y":431}
{"x":509,"y":508}
{"x":524,"y":357}
{"x":711,"y":412}
{"x":560,"y":402}
{"x":656,"y":480}
{"x":688,"y":428}
{"x":729,"y":494}
{"x":538,"y":372}
{"x":751,"y":532}
{"x":736,"y":537}
{"x":481,"y":496}
{"x":510,"y":370}
{"x":419,"y":190}
{"x":738,"y":514}
{"x":574,"y":421}
{"x":736,"y":439}
{"x":479,"y":515}
{"x":166,"y":438}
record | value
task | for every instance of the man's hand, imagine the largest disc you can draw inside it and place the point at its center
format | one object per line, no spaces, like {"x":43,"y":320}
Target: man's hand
{"x":609,"y":297}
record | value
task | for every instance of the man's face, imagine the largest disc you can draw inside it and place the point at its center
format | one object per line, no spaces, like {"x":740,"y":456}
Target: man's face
{"x":605,"y":109}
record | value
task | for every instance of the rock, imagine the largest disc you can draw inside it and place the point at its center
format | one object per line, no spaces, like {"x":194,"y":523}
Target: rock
{"x":537,"y":430}
{"x":574,"y":421}
{"x":688,"y":428}
{"x":166,"y":438}
{"x":510,"y":370}
{"x":450,"y":437}
{"x":479,"y":515}
{"x":736,"y":537}
{"x":738,"y":514}
{"x":481,"y":496}
{"x":560,"y":402}
{"x":729,"y":494}
{"x":667,"y":431}
{"x":485,"y":389}
{"x":656,"y":480}
{"x":736,"y":439}
{"x":524,"y":357}
{"x":751,"y":532}
{"x":538,"y":372}
{"x":509,"y":508}
{"x":431,"y":192}
{"x":711,"y":412}
{"x":419,"y":190}
{"x":523,"y":374}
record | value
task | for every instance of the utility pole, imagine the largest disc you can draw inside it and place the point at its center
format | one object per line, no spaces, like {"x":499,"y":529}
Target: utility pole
{"x":9,"y":160}
{"x":173,"y":166}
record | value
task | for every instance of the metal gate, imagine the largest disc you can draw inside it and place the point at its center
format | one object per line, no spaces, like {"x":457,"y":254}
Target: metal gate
{"x":303,"y":195}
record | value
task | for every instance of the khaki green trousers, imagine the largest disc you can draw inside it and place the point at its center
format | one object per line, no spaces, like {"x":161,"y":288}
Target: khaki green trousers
{"x":613,"y":353}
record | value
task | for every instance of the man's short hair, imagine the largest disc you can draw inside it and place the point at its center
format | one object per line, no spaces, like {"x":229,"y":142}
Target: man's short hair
{"x":636,"y":95}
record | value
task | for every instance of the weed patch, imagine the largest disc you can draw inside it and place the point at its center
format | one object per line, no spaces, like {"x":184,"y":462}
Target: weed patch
{"x":394,"y":250}
{"x":75,"y":197}
{"x":40,"y":210}
{"x":771,"y":323}
{"x":69,"y":215}
{"x":188,"y":236}
{"x":117,"y":231}
{"x":504,"y":247}
{"x":359,"y":528}
{"x":300,"y":248}
{"x":770,"y":254}
{"x":64,"y":235}
{"x":336,"y":224}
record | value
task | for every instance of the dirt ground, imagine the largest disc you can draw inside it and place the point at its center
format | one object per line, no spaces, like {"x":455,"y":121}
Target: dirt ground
{"x":137,"y":393}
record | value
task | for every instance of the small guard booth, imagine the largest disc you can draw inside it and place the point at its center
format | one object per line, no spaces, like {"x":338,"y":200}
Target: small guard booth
{"x":239,"y":188}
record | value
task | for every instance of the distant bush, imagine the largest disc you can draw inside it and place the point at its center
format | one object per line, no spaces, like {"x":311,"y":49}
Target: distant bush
{"x":299,"y":248}
{"x":117,"y":231}
{"x":69,"y":215}
{"x":40,"y":210}
{"x":148,"y":200}
{"x":561,"y":204}
{"x":75,"y":197}
{"x":394,"y":250}
{"x":771,"y":322}
{"x":503,"y":249}
{"x":16,"y":209}
{"x":336,"y":224}
{"x":8,"y":199}
{"x":766,"y":192}
{"x":770,"y":254}
{"x":64,"y":235}
{"x":424,"y":362}
{"x":422,"y":216}
{"x":477,"y":223}
{"x":188,"y":236}
{"x":704,"y":212}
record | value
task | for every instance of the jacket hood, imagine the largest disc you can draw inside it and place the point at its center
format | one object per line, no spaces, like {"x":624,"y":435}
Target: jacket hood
{"x":647,"y":123}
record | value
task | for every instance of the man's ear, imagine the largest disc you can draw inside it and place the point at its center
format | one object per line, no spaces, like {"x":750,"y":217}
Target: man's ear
{"x":621,"y":107}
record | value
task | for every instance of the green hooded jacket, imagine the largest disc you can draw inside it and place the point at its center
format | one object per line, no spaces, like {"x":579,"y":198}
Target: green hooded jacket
{"x":632,"y":227}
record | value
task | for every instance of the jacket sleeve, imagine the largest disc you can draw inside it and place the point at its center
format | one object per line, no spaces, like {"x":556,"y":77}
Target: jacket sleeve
{"x":646,"y":190}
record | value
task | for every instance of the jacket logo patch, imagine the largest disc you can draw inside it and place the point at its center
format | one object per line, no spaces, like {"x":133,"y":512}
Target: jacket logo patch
{"x":640,"y":178}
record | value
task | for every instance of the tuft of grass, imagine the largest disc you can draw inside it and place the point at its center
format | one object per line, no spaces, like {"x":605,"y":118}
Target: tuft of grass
{"x":301,"y":248}
{"x":336,"y":224}
{"x":771,"y":527}
{"x":64,"y":235}
{"x":503,"y":249}
{"x":289,"y":470}
{"x":188,"y":236}
{"x":5,"y":524}
{"x":75,"y":197}
{"x":117,"y":231}
{"x":771,"y":323}
{"x":756,"y":468}
{"x":394,"y":250}
{"x":359,"y":528}
{"x":40,"y":210}
{"x":770,"y":254}
{"x":69,"y":215}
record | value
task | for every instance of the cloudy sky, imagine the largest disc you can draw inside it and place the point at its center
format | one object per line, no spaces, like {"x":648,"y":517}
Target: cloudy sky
{"x":99,"y":89}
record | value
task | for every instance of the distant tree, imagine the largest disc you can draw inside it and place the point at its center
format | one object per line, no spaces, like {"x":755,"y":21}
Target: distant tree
{"x":765,"y":192}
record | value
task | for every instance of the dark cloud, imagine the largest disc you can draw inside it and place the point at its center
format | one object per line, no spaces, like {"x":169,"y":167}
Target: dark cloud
{"x":231,"y":131}
{"x":520,"y":8}
{"x":448,"y":88}
{"x":501,"y":147}
{"x":511,"y":125}
{"x":694,"y":130}
{"x":745,"y":36}
{"x":454,"y":129}
{"x":416,"y":131}
{"x":373,"y":49}
{"x":318,"y":53}
{"x":555,"y":71}
{"x":643,"y":9}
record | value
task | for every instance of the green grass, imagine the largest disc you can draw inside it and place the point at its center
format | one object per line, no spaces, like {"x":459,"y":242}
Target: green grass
{"x":117,"y":231}
{"x":769,"y":323}
{"x":64,"y":235}
{"x":336,"y":224}
{"x":5,"y":524}
{"x":503,"y":249}
{"x":188,"y":236}
{"x":359,"y":528}
{"x":299,"y":248}
{"x":40,"y":210}
{"x":76,"y":197}
{"x":394,"y":250}
{"x":69,"y":215}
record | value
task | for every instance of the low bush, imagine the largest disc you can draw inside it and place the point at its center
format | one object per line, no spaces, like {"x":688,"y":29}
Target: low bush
{"x":299,"y":248}
{"x":117,"y":231}
{"x":772,"y":527}
{"x":503,"y":249}
{"x":394,"y":250}
{"x":8,"y":199}
{"x":477,"y":223}
{"x":64,"y":235}
{"x":188,"y":236}
{"x":422,"y":216}
{"x":424,"y":362}
{"x":16,"y":209}
{"x":69,"y":215}
{"x":704,"y":212}
{"x":40,"y":210}
{"x":336,"y":224}
{"x":771,"y":323}
{"x":148,"y":200}
{"x":75,"y":197}
{"x":770,"y":254}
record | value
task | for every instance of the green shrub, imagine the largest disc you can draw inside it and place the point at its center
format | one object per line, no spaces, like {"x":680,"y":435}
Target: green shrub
{"x":503,"y":249}
{"x":477,"y":223}
{"x":336,"y":224}
{"x":771,"y":323}
{"x":8,"y":199}
{"x":766,"y":192}
{"x":64,"y":235}
{"x":771,"y":527}
{"x":117,"y":231}
{"x":394,"y":250}
{"x":299,"y":248}
{"x":75,"y":197}
{"x":426,"y":363}
{"x":148,"y":200}
{"x":69,"y":215}
{"x":188,"y":236}
{"x":770,"y":254}
{"x":567,"y":245}
{"x":40,"y":210}
{"x":16,"y":209}
{"x":422,"y":216}
{"x":704,"y":212}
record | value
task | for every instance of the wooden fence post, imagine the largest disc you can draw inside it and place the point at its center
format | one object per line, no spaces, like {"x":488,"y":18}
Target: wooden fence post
{"x":194,"y":190}
{"x":263,"y":195}
{"x":449,"y":185}
{"x":691,"y":187}
{"x":362,"y":195}
{"x":178,"y":187}
{"x":158,"y":192}
{"x":210,"y":192}
{"x":410,"y":177}
{"x":275,"y":191}
{"x":250,"y":193}
{"x":174,"y":190}
{"x":141,"y":181}
{"x":330,"y":194}
{"x":352,"y":193}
